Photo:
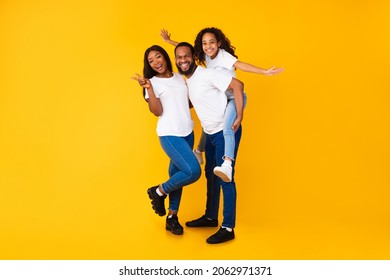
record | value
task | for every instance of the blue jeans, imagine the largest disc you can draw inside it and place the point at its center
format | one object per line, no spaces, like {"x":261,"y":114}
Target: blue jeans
{"x":184,"y":168}
{"x":228,"y":132}
{"x":214,"y":151}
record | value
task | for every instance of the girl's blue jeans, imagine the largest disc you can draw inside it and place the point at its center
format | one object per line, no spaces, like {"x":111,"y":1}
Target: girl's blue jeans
{"x":228,"y":132}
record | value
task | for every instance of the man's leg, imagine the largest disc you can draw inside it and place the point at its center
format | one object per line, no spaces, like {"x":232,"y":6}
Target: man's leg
{"x":226,"y":232}
{"x":210,"y":218}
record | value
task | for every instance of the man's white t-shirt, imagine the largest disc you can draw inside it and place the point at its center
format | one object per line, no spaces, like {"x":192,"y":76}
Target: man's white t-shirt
{"x":207,"y":93}
{"x":173,"y":93}
{"x":224,"y":62}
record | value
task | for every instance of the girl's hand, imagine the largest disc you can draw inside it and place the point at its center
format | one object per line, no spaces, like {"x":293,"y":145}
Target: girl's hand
{"x":273,"y":71}
{"x":165,"y":35}
{"x":143,"y":82}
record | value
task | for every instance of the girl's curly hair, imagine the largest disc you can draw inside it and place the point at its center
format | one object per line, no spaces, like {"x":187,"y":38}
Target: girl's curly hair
{"x":221,"y":38}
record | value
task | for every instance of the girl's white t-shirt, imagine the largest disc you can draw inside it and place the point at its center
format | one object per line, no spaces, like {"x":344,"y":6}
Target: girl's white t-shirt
{"x":175,"y":119}
{"x":224,"y":62}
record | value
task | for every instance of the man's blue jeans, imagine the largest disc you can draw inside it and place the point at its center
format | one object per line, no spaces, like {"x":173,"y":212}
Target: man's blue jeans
{"x":214,"y":151}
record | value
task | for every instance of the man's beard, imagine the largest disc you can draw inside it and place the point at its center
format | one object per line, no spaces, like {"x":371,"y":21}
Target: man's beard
{"x":189,"y":71}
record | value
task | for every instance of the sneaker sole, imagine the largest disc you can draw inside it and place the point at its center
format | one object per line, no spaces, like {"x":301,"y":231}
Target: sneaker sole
{"x":223,"y":176}
{"x":177,"y":232}
{"x":201,"y":225}
{"x":220,"y":241}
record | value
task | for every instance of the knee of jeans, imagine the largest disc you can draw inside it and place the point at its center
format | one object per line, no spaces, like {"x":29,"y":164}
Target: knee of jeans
{"x":196,"y":172}
{"x":193,"y":172}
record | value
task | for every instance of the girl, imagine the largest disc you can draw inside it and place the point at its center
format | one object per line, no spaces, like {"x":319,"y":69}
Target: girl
{"x":167,"y":96}
{"x":214,"y":50}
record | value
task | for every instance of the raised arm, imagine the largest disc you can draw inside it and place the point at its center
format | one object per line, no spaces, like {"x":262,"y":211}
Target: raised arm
{"x":246,"y":67}
{"x":154,"y":103}
{"x":238,"y":91}
{"x":166,"y":36}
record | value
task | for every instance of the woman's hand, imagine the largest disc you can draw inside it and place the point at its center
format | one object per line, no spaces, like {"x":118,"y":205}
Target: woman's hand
{"x":143,"y":82}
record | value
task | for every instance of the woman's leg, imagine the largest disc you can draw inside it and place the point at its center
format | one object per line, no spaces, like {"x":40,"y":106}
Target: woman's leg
{"x":184,"y":168}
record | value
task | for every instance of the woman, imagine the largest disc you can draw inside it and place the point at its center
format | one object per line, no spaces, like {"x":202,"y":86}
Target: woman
{"x":167,"y":97}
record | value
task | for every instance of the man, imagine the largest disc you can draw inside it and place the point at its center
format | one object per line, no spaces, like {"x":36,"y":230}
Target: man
{"x":207,"y":94}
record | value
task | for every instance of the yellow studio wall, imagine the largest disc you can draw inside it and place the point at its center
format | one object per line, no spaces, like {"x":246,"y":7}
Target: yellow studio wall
{"x":78,"y":147}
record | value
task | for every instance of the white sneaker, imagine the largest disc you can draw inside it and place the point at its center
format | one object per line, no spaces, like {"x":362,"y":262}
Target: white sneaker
{"x":199,"y":156}
{"x":224,"y":172}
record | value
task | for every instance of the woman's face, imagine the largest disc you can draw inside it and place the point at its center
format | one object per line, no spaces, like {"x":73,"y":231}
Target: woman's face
{"x":157,"y":62}
{"x":210,"y":45}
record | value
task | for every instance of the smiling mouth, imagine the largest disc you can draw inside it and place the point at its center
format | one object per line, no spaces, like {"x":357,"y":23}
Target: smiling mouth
{"x":185,"y":65}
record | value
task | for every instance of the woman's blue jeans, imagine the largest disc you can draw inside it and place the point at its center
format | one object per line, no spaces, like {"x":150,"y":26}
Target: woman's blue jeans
{"x":214,"y":151}
{"x":183,"y":169}
{"x":228,"y":132}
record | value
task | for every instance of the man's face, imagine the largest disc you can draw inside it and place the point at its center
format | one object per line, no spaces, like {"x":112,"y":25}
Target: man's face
{"x":184,"y":60}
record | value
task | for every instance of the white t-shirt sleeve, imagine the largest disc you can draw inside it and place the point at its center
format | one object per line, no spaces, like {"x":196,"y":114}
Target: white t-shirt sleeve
{"x":226,"y":60}
{"x":146,"y":93}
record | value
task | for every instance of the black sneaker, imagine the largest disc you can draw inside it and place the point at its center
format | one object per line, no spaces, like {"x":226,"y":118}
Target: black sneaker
{"x":222,"y":235}
{"x":157,"y":201}
{"x":202,"y":222}
{"x":172,"y":224}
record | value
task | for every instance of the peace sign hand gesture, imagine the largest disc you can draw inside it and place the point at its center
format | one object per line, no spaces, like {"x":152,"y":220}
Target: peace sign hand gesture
{"x":143,"y":82}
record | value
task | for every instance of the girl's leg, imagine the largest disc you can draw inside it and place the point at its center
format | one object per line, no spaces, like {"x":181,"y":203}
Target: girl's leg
{"x":228,"y":132}
{"x":225,"y":170}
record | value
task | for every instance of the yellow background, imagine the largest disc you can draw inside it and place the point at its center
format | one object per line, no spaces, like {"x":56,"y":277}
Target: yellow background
{"x":78,"y":147}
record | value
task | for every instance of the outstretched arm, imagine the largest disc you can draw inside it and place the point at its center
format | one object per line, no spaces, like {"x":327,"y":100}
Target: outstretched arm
{"x":167,"y":37}
{"x":154,"y":103}
{"x":246,"y":67}
{"x":238,"y":91}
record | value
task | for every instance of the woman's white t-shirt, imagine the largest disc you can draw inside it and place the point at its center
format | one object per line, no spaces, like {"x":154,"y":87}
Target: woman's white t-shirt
{"x":175,"y":119}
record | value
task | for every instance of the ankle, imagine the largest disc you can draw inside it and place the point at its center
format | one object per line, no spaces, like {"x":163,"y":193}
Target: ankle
{"x":227,"y":162}
{"x":160,"y":191}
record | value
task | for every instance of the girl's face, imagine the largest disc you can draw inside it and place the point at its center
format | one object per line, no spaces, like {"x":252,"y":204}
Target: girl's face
{"x":157,"y":62}
{"x":210,"y":45}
